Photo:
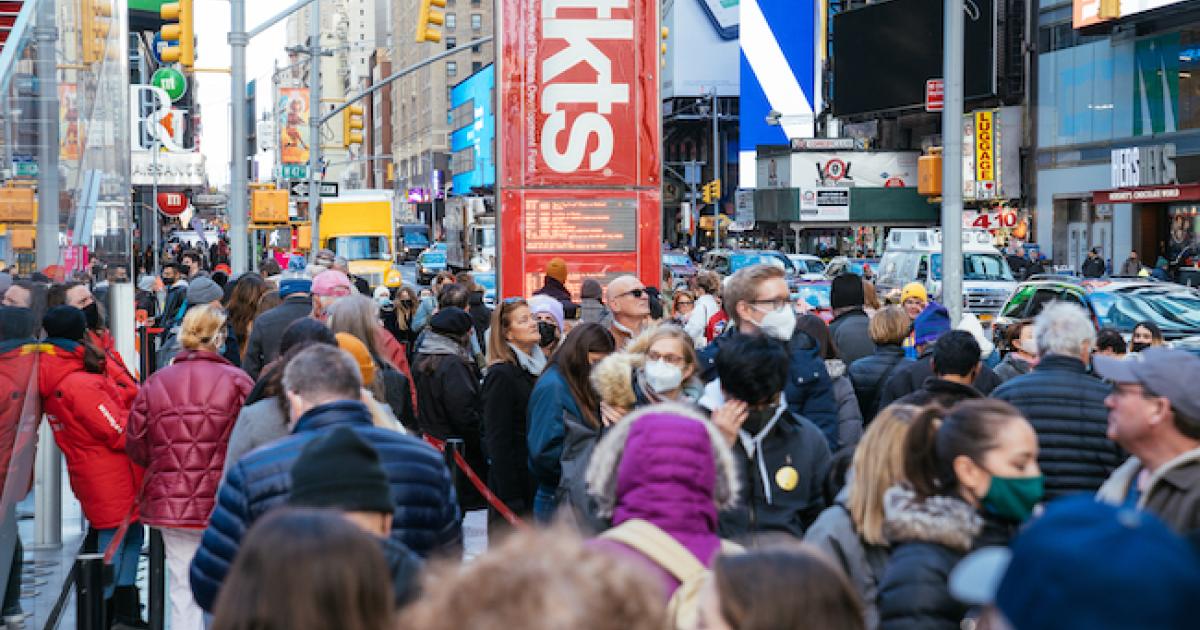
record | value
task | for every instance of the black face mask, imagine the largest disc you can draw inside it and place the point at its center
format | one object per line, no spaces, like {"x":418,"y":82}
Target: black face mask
{"x":406,"y":303}
{"x":92,"y":313}
{"x":1138,"y":346}
{"x":549,"y":333}
{"x":756,"y":419}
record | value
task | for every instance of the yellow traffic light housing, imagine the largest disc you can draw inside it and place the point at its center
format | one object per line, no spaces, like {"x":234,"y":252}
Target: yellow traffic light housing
{"x":929,"y":173}
{"x":352,"y":125}
{"x":664,"y":33}
{"x":181,"y":31}
{"x":707,"y":192}
{"x":96,"y":21}
{"x":428,"y":19}
{"x":269,"y":206}
{"x":716,"y":189}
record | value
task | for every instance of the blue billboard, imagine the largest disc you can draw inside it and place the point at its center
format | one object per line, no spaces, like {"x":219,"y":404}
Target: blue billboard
{"x":473,"y":132}
{"x":781,"y":43}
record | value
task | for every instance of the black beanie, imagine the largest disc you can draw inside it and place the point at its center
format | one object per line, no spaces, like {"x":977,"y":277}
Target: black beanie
{"x":15,"y":323}
{"x":65,"y":322}
{"x":846,"y":290}
{"x":340,"y":470}
{"x":451,"y":320}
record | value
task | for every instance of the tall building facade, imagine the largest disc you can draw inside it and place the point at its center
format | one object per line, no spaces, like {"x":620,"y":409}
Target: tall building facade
{"x":421,"y":138}
{"x":378,"y":124}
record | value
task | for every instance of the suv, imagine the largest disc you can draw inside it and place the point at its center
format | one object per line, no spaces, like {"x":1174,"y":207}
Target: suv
{"x":1119,"y":304}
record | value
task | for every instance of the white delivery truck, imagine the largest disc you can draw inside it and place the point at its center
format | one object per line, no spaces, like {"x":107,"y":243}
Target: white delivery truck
{"x":915,"y":255}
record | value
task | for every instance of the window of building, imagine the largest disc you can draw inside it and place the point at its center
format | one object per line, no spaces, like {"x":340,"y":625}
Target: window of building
{"x":462,"y":161}
{"x":463,"y":115}
{"x":476,"y":21}
{"x":451,"y":68}
{"x":451,"y":21}
{"x":451,"y":42}
{"x":476,"y":66}
{"x":476,"y":48}
{"x":476,"y":3}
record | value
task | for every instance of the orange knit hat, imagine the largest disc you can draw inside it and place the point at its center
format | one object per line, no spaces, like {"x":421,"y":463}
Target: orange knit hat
{"x":362,"y":356}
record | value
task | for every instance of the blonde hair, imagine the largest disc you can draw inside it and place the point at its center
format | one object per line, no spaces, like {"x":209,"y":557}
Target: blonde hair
{"x":878,"y":464}
{"x":889,"y":326}
{"x":743,"y":285}
{"x":201,"y":327}
{"x":524,"y":581}
{"x":498,"y":350}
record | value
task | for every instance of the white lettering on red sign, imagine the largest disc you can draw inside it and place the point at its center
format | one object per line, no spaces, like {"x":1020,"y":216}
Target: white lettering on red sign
{"x":602,"y":93}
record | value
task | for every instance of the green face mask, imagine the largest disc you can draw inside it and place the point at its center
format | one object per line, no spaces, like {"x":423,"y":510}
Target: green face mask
{"x":1014,"y":497}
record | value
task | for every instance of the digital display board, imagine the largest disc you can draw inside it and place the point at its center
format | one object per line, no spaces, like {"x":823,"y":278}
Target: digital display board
{"x":580,"y":225}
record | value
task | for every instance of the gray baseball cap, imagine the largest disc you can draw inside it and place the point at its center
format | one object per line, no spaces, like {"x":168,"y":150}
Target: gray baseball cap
{"x":1166,"y":372}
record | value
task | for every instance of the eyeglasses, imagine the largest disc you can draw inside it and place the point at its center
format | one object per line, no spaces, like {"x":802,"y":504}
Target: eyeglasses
{"x":684,"y":303}
{"x":673,"y":359}
{"x":637,"y":293}
{"x":775,"y":304}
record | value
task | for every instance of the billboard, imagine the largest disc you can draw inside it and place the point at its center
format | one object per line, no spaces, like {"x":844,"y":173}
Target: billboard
{"x":580,"y":147}
{"x":781,"y":42}
{"x":882,"y":54}
{"x":1089,"y":12}
{"x":839,"y":169}
{"x":473,"y":132}
{"x":702,"y":49}
{"x":293,"y":125}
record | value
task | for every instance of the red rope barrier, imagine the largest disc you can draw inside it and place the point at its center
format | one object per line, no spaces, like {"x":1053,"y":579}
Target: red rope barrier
{"x":487,"y":493}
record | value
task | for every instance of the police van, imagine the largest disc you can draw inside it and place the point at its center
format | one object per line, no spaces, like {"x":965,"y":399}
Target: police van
{"x":915,"y":255}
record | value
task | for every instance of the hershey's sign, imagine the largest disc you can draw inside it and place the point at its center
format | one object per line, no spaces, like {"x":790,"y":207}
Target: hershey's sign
{"x":1144,"y":166}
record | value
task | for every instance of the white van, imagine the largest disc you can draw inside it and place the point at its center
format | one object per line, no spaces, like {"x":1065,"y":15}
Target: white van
{"x":915,"y":255}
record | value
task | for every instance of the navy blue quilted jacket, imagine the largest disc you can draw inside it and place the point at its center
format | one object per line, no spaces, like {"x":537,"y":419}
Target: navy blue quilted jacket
{"x":426,"y":516}
{"x":1065,"y":405}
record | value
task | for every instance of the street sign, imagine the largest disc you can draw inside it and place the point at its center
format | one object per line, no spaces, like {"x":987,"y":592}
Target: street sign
{"x":210,"y":199}
{"x":828,"y":144}
{"x":25,"y":169}
{"x":171,"y":81}
{"x":300,"y":189}
{"x":293,"y":171}
{"x":172,"y":204}
{"x":935,"y":95}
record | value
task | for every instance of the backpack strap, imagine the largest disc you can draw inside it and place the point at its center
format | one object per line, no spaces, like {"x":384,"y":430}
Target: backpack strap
{"x":659,"y":546}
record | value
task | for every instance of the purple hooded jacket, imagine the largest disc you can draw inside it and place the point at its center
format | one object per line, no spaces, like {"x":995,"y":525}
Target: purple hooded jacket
{"x":667,"y":475}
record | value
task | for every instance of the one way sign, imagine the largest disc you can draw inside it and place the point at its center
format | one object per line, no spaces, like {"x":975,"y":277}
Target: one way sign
{"x":328,"y":189}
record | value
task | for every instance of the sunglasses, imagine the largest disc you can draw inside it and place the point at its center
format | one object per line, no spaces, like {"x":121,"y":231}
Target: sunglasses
{"x":637,"y":293}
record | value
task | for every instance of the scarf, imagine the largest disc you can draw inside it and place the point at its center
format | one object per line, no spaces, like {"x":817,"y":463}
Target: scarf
{"x":535,"y":363}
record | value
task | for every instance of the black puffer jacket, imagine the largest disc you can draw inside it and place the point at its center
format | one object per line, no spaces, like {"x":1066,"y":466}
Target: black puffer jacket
{"x":869,"y":374}
{"x":449,"y":404}
{"x":928,"y":539}
{"x":1065,"y":405}
{"x":910,"y":378}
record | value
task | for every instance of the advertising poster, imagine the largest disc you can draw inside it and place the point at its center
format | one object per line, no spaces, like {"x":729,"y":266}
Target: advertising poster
{"x":71,"y":145}
{"x":293,"y":126}
{"x":580,"y":151}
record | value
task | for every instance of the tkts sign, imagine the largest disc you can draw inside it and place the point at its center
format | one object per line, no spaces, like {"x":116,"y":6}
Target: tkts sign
{"x":579,"y":138}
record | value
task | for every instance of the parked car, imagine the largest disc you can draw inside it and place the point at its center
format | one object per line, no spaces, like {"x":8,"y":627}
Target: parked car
{"x":1119,"y":304}
{"x":727,"y":261}
{"x":812,"y":296}
{"x":807,"y":266}
{"x":679,"y":266}
{"x":431,"y":262}
{"x":414,"y":238}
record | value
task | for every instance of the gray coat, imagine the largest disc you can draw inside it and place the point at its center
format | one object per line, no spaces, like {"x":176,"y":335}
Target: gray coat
{"x":1011,"y":367}
{"x":850,"y":420}
{"x":257,"y":424}
{"x":833,"y":532}
{"x":592,"y":311}
{"x":851,"y":335}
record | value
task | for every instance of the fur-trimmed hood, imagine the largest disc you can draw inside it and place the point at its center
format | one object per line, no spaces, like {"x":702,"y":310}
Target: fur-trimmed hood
{"x":836,"y":368}
{"x":613,"y":377}
{"x":941,"y":520}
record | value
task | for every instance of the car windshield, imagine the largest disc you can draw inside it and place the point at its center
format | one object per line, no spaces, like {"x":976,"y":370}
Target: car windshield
{"x":360,"y":247}
{"x":1172,"y":309}
{"x":814,"y":266}
{"x":977,"y":267}
{"x":416,"y":238}
{"x":675,"y":260}
{"x":740,"y":261}
{"x":433,"y":257}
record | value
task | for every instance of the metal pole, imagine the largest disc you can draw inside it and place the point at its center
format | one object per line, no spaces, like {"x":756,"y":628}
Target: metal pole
{"x":46,"y":35}
{"x":238,"y":189}
{"x":694,"y":218}
{"x":716,"y":159}
{"x":314,"y":124}
{"x":952,"y":193}
{"x":47,"y":488}
{"x":154,"y":209}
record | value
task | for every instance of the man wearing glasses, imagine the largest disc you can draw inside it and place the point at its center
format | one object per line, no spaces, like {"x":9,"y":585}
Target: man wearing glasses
{"x":758,"y":301}
{"x":630,"y":306}
{"x":1154,"y":413}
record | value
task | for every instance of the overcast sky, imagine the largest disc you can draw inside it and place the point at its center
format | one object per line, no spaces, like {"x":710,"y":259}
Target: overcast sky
{"x":212,"y":50}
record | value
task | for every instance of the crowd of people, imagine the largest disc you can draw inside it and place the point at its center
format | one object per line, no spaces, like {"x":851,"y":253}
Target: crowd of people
{"x":711,"y":456}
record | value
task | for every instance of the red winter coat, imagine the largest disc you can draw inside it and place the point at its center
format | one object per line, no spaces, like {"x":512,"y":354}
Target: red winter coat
{"x":88,"y":419}
{"x":114,"y":365}
{"x":179,"y":430}
{"x":19,"y":416}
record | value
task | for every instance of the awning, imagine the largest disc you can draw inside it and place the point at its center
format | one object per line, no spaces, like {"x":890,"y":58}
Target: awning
{"x":880,"y":206}
{"x":1149,"y":194}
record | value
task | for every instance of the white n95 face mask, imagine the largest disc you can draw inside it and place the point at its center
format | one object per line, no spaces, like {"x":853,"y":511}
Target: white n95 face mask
{"x":780,"y":323}
{"x":662,"y":376}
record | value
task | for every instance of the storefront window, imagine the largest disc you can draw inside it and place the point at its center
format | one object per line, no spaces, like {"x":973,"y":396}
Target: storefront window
{"x":1185,"y":225}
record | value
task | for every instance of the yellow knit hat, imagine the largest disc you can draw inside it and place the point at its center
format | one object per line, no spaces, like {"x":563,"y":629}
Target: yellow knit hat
{"x":362,"y":356}
{"x":557,"y":269}
{"x":914,"y":290}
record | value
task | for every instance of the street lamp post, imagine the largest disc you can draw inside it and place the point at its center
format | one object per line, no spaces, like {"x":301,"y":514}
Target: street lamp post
{"x":952,"y":164}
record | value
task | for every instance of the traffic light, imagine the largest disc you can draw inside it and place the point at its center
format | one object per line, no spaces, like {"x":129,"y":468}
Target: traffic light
{"x":352,"y":124}
{"x":712,"y":191}
{"x":929,"y":173}
{"x":181,"y":31}
{"x":429,"y":19}
{"x":665,"y":33}
{"x":96,"y":18}
{"x":268,"y":205}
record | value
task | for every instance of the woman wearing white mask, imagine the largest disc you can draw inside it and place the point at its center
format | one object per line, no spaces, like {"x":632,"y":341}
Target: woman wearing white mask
{"x":660,"y":365}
